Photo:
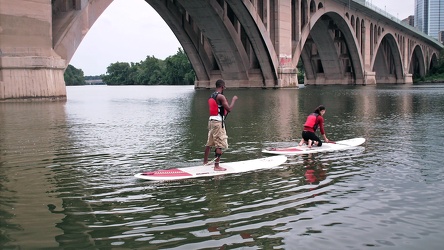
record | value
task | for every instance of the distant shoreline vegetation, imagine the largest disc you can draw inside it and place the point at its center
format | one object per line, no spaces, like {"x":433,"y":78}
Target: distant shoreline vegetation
{"x":177,"y":70}
{"x":174,"y":70}
{"x":435,"y":75}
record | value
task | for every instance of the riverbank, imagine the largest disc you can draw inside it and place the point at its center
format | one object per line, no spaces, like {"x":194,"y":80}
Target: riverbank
{"x":438,"y":78}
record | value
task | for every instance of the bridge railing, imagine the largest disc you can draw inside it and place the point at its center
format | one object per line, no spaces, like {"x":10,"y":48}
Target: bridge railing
{"x":376,"y":9}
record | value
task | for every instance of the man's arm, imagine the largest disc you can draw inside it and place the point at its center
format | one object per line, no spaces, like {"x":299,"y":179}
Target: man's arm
{"x":224,"y":102}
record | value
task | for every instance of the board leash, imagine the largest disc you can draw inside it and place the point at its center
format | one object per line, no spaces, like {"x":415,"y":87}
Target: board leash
{"x":210,"y":162}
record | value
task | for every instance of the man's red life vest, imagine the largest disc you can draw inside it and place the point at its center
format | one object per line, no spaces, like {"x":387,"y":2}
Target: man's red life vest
{"x":214,"y":107}
{"x":212,"y":104}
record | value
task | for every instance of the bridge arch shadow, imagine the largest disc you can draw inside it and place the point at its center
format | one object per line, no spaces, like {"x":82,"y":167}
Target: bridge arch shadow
{"x":331,"y":52}
{"x":387,"y":63}
{"x":417,"y":64}
{"x":433,"y":64}
{"x":228,"y":40}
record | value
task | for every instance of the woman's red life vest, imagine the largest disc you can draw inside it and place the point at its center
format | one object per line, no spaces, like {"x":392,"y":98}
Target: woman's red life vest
{"x":312,"y":121}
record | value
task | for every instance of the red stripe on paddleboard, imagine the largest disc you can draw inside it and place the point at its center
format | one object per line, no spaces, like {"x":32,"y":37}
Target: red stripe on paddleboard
{"x":286,"y":149}
{"x":174,"y":172}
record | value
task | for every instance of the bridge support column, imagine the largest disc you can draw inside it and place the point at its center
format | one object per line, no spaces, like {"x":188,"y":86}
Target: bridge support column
{"x":288,"y":77}
{"x":30,"y":76}
{"x":287,"y":73}
{"x":29,"y":66}
{"x":370,"y":78}
{"x":408,"y":78}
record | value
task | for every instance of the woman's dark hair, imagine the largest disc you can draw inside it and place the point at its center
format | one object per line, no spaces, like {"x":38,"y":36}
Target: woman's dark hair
{"x":319,"y":109}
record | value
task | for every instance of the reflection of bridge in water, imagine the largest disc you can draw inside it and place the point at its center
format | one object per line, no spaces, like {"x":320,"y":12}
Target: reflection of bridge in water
{"x":254,"y":43}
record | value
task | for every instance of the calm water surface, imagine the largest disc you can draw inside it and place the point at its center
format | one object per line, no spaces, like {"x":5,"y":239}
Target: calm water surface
{"x":66,"y":171}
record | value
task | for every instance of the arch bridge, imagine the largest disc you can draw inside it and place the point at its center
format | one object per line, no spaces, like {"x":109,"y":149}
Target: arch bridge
{"x":248,"y":43}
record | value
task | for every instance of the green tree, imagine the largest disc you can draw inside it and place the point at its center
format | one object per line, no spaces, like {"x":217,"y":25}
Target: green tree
{"x":436,"y":73}
{"x":73,"y":76}
{"x":118,"y":74}
{"x":150,"y":71}
{"x":301,"y":72}
{"x":174,"y":70}
{"x":178,"y":70}
{"x":439,"y":69}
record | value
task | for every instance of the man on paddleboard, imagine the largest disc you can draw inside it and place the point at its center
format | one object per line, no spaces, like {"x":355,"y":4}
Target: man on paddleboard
{"x":314,"y":121}
{"x":217,"y":135}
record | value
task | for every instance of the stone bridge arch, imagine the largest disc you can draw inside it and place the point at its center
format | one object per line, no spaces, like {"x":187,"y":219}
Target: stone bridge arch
{"x":232,"y":43}
{"x":335,"y":58}
{"x":433,"y":61}
{"x":417,"y":62}
{"x":387,"y":61}
{"x":71,"y":21}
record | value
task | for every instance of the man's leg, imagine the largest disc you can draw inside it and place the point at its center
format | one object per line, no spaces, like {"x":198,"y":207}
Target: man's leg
{"x":218,"y":153}
{"x":207,"y":152}
{"x":210,"y":142}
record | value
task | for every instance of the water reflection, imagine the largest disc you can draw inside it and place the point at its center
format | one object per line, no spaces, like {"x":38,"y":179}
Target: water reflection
{"x":28,"y":132}
{"x":315,"y":172}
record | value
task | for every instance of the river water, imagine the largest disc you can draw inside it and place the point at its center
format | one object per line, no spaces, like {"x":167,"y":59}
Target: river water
{"x":66,"y":171}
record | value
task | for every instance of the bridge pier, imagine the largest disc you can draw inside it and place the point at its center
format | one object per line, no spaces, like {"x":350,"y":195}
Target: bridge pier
{"x":29,"y":66}
{"x":288,"y":77}
{"x":370,"y":78}
{"x":30,"y":76}
{"x":408,"y":78}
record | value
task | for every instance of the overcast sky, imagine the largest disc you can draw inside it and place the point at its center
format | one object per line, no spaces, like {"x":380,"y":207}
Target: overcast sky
{"x":130,"y":30}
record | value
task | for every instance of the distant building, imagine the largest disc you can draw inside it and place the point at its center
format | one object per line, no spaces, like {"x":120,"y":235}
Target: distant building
{"x":441,"y":36}
{"x":429,"y":16}
{"x":409,"y":20}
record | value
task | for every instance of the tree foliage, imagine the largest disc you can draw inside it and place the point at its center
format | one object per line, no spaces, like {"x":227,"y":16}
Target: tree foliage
{"x":174,"y":70}
{"x":301,"y":72}
{"x":74,"y":76}
{"x":178,"y":69}
{"x":439,"y":67}
{"x":118,"y":74}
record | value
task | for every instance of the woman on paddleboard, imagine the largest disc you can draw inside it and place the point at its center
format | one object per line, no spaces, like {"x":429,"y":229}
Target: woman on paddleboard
{"x":217,"y":135}
{"x":314,"y":121}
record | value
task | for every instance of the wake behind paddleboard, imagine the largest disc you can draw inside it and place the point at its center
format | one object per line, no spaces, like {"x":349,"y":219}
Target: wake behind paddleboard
{"x":206,"y":171}
{"x":326,"y":147}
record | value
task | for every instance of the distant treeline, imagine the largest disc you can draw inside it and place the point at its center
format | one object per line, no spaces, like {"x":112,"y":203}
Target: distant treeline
{"x":74,"y":76}
{"x":436,"y":73}
{"x":177,"y":70}
{"x":174,"y":70}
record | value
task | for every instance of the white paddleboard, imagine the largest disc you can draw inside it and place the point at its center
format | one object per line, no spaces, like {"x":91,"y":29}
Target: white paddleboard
{"x":326,"y":147}
{"x":208,"y":170}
